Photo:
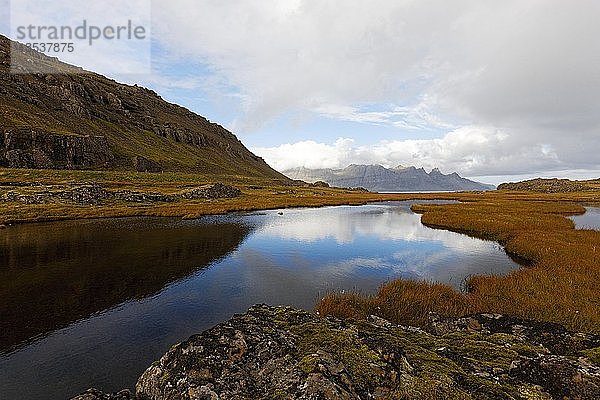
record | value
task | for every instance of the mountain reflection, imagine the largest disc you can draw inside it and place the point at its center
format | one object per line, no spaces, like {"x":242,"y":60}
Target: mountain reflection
{"x":54,"y":274}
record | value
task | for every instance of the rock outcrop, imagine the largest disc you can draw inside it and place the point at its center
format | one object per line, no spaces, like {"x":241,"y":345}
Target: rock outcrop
{"x":93,"y":194}
{"x":27,"y":148}
{"x":142,"y":164}
{"x":552,"y":186}
{"x":284,"y":353}
{"x":380,"y":179}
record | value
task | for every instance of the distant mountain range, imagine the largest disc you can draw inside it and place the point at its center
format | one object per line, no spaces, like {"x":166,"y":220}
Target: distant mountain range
{"x":380,"y":179}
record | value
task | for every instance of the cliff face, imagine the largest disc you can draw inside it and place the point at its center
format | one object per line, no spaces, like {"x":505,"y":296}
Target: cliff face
{"x":283,"y":353}
{"x":30,"y":149}
{"x":74,"y":119}
{"x":379,"y":179}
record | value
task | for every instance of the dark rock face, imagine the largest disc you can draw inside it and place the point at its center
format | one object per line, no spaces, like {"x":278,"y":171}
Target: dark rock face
{"x":283,"y":353}
{"x":34,"y":149}
{"x":379,"y":179}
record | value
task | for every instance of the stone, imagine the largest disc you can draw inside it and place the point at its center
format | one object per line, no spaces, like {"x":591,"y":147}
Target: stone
{"x":211,"y":192}
{"x":142,"y":164}
{"x":285,"y":353}
{"x":94,"y":194}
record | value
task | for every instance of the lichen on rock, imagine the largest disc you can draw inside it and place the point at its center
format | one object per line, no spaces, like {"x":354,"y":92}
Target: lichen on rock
{"x":284,"y":353}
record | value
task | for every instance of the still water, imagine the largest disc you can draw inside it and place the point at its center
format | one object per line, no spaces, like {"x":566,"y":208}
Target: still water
{"x":94,"y":303}
{"x":589,"y":220}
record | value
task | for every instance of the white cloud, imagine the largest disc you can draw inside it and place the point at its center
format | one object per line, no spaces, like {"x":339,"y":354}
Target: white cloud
{"x":527,"y":71}
{"x":124,"y":54}
{"x":309,"y":154}
{"x":515,"y":83}
{"x":472,"y":151}
{"x":416,"y":117}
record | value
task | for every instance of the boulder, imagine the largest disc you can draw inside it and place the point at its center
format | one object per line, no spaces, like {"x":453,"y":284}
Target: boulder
{"x":143,"y":164}
{"x":285,"y":353}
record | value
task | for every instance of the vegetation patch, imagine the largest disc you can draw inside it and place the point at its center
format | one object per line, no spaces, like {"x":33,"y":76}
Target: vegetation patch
{"x":560,"y":285}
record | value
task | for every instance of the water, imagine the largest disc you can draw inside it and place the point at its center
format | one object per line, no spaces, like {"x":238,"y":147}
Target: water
{"x":589,"y":220}
{"x":94,"y":303}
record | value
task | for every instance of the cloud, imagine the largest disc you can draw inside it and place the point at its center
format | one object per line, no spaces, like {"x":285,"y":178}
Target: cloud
{"x":417,"y":117}
{"x":124,"y":54}
{"x":472,"y":151}
{"x":527,"y":72}
{"x":508,"y":86}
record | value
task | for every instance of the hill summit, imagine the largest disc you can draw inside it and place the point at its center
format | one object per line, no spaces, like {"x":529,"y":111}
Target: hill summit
{"x":75,"y":119}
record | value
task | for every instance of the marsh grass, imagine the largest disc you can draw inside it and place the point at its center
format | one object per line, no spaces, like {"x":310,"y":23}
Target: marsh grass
{"x":561,"y":285}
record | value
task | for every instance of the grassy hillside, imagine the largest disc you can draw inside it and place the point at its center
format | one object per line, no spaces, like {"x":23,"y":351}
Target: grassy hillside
{"x":136,"y":122}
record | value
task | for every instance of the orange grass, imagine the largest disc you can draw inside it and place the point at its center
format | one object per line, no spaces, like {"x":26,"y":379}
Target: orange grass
{"x":562,"y":285}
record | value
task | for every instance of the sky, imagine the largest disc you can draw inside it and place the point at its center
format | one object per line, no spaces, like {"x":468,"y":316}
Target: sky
{"x":494,"y":90}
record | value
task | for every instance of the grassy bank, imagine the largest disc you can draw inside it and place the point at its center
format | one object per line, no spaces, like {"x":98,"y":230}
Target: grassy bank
{"x":561,"y":285}
{"x":256,"y":195}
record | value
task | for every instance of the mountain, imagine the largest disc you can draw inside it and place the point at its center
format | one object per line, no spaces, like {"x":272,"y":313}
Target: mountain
{"x":552,"y":186}
{"x":380,"y":179}
{"x":75,"y":119}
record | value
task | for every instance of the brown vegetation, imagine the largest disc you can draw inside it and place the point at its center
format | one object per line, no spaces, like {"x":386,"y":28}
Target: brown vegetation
{"x":561,"y":285}
{"x":257,"y":194}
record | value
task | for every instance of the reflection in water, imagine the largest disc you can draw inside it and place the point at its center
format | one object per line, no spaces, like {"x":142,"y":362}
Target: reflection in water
{"x":161,"y":281}
{"x":58,"y":273}
{"x":589,"y":220}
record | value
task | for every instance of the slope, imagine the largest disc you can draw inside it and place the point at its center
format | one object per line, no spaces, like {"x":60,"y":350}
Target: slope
{"x":75,"y":119}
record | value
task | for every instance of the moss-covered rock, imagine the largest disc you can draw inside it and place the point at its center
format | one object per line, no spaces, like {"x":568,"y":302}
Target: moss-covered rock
{"x":284,"y":353}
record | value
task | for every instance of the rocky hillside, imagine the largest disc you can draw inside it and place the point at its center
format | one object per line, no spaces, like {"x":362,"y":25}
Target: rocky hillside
{"x":552,"y":186}
{"x":74,"y":119}
{"x":380,"y":179}
{"x":283,"y":353}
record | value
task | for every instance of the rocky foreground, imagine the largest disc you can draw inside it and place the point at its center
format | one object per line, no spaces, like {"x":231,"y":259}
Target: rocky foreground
{"x":284,"y":353}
